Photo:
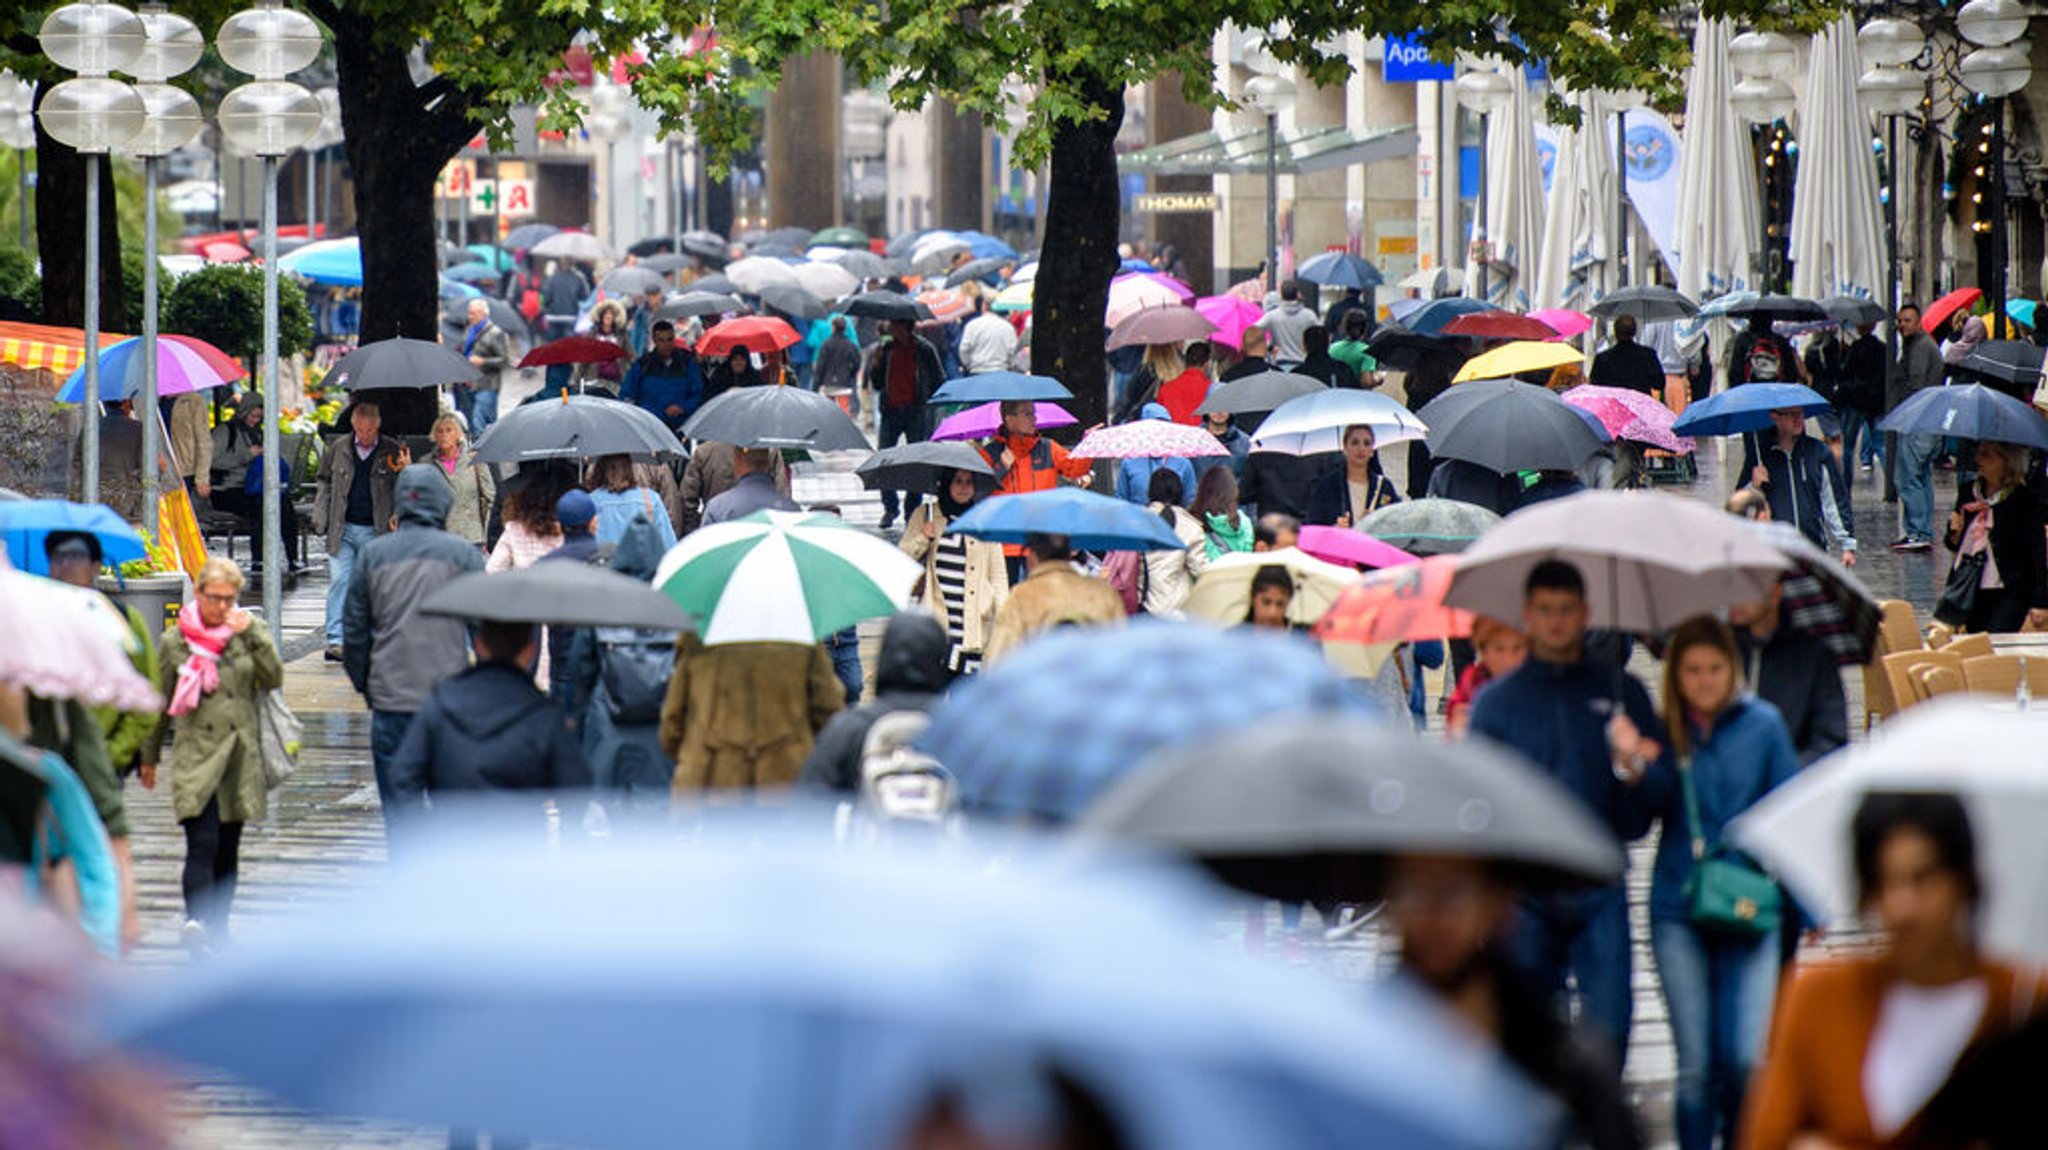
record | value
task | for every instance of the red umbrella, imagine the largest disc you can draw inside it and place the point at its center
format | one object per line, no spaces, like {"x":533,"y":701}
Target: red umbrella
{"x":1940,"y":310}
{"x":1397,"y":605}
{"x":1499,"y":325}
{"x":574,"y":349}
{"x":755,"y":333}
{"x":224,"y":252}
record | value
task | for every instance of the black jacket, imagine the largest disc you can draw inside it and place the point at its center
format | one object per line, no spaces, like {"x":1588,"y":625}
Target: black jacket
{"x":1274,"y":481}
{"x":1863,"y":372}
{"x":931,"y":371}
{"x":1329,"y":497}
{"x":1629,"y":365}
{"x":1799,"y":483}
{"x":911,"y":676}
{"x":1797,"y":674}
{"x":1336,"y":373}
{"x":2018,"y":544}
{"x":488,"y":729}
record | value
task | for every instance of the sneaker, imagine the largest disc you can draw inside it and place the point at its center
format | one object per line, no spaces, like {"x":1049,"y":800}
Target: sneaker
{"x":888,"y":521}
{"x":1913,"y":545}
{"x":334,"y":652}
{"x":193,"y":935}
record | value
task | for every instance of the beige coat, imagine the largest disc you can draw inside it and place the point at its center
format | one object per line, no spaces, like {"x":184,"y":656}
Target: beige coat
{"x":217,"y":751}
{"x":742,"y":716}
{"x":988,"y":579}
{"x":1055,"y":595}
{"x":1170,"y":575}
{"x":474,"y":489}
{"x":191,"y":439}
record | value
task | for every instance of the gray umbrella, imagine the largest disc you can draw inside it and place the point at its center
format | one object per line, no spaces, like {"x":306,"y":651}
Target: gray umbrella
{"x":717,"y":284}
{"x":1648,"y":304}
{"x":924,"y":467}
{"x":634,"y":280}
{"x":771,"y":416}
{"x":525,"y":236}
{"x":976,"y":270}
{"x":709,"y":246}
{"x":1261,"y":392}
{"x":662,"y":263}
{"x":1775,"y":308}
{"x":866,"y":265}
{"x":1171,"y":324}
{"x":1505,"y":425}
{"x":1307,"y":811}
{"x":575,"y":427}
{"x":579,"y":246}
{"x":1853,"y":310}
{"x":792,"y":300}
{"x":698,"y":303}
{"x":455,"y":317}
{"x":886,"y":306}
{"x":558,"y":594}
{"x":401,"y":363}
{"x":1430,"y":526}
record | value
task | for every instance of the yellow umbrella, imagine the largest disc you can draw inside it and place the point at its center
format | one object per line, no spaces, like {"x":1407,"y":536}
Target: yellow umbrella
{"x":1518,"y":357}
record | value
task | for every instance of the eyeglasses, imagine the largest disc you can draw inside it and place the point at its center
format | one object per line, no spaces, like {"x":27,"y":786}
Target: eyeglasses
{"x":218,"y":597}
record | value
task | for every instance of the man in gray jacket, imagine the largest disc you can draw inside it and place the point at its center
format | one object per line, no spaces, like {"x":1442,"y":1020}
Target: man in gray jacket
{"x":352,"y":504}
{"x":489,"y":350}
{"x":1918,"y":367}
{"x":393,"y":654}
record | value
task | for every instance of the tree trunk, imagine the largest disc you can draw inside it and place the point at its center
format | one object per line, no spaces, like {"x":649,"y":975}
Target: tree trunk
{"x":1072,"y":289}
{"x":60,"y":236}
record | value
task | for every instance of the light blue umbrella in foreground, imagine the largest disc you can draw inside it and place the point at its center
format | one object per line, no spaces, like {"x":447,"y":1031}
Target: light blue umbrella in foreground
{"x":334,"y":263}
{"x":24,"y":524}
{"x":764,"y":988}
{"x":1091,"y":522}
{"x":1746,"y":408}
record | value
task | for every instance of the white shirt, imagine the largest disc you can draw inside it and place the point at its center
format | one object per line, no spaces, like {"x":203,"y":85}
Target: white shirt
{"x":1921,"y":1031}
{"x":987,"y":343}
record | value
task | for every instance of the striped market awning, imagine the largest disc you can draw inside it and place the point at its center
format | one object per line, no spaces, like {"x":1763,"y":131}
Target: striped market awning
{"x":37,"y":347}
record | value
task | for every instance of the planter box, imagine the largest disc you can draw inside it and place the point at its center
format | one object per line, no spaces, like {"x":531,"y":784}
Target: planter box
{"x":156,"y":598}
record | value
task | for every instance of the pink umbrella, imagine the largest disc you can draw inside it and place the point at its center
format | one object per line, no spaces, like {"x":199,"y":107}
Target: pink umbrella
{"x":982,"y":422}
{"x":1231,"y":315}
{"x":1351,"y":547}
{"x":1564,"y":321}
{"x":1134,"y":292}
{"x":65,"y":642}
{"x":1147,"y":439}
{"x":1630,"y":415}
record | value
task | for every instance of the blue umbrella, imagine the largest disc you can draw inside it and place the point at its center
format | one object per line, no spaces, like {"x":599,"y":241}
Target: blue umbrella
{"x":456,"y":289}
{"x":1746,"y":408}
{"x":1001,"y":385}
{"x":984,"y":246}
{"x":335,"y":263}
{"x":1090,"y":521}
{"x":1042,"y":734}
{"x":640,"y":992}
{"x":1431,"y":318}
{"x":1968,"y":411}
{"x":24,"y":524}
{"x":1340,"y":269}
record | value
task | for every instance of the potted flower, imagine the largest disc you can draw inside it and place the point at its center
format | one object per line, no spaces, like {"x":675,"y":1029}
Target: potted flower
{"x":155,"y":586}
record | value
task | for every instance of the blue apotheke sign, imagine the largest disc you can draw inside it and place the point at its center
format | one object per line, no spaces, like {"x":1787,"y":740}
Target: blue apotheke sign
{"x":1407,"y":61}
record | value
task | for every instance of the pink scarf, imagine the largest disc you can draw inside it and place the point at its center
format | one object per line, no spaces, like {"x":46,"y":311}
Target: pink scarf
{"x":200,"y":676}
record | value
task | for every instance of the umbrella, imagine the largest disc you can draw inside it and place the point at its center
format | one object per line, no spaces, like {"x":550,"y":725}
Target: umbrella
{"x":556,"y":594}
{"x":1956,"y":746}
{"x":1498,"y":325}
{"x":1838,"y":233}
{"x":574,"y":349}
{"x":946,"y":305}
{"x":793,"y":300}
{"x":1223,"y":592}
{"x":999,"y":386}
{"x":183,"y":363}
{"x":977,"y":270}
{"x":1434,"y":282}
{"x":839,"y":237}
{"x":456,"y":290}
{"x":923,"y":467}
{"x":827,"y":280}
{"x":1092,"y":522}
{"x":581,"y":247}
{"x":575,"y":427}
{"x":26,"y":523}
{"x":1173,"y":324}
{"x":665,"y":263}
{"x":335,"y":263}
{"x":631,"y":281}
{"x":2024,"y":312}
{"x":788,"y":253}
{"x":1724,"y":305}
{"x":1350,"y":547}
{"x":788,"y":235}
{"x":1650,"y":560}
{"x":1824,"y":599}
{"x":982,"y":246}
{"x":1315,"y":423}
{"x":224,"y":252}
{"x":401,"y":362}
{"x":1968,"y":411}
{"x":1513,"y":227}
{"x":1148,"y":439}
{"x":1747,"y":408}
{"x":1431,"y":317}
{"x":959,"y":976}
{"x":784,"y":577}
{"x":1505,"y":425}
{"x":1132,"y":293}
{"x":860,"y":264}
{"x":713,"y":285}
{"x":708,"y":246}
{"x":935,"y":253}
{"x":1648,"y":304}
{"x":1939,"y":312}
{"x":1395,"y":345}
{"x":774,"y":416}
{"x":983,"y":421}
{"x":525,"y":236}
{"x":1260,"y":391}
{"x":1718,"y":231}
{"x":492,"y":256}
{"x":698,"y":303}
{"x":1077,"y":710}
{"x":475,"y":274}
{"x":1776,"y":308}
{"x":2014,"y":361}
{"x":753,"y":273}
{"x":66,"y":642}
{"x":1297,"y":813}
{"x":887,"y":306}
{"x":455,"y":316}
{"x":1430,"y":526}
{"x":1399,"y":603}
{"x":1629,"y":415}
{"x":1856,"y":311}
{"x":1564,"y":321}
{"x":1340,"y":269}
{"x":1515,"y":358}
{"x":753,"y":332}
{"x":1016,"y":297}
{"x":1231,"y":316}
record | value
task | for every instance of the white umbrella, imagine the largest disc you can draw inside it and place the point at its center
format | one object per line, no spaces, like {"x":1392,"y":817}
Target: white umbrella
{"x":784,"y":577}
{"x":1717,"y":226}
{"x":1514,"y":202}
{"x":580,"y":246}
{"x":934,"y":253}
{"x":1314,"y":423}
{"x":1577,"y":223}
{"x":753,"y":273}
{"x":827,"y":281}
{"x":1837,"y":227}
{"x":1223,"y":592}
{"x":1800,"y":832}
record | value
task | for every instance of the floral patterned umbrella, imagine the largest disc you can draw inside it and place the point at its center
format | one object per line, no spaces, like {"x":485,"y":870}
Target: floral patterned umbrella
{"x":1630,"y":415}
{"x":1147,"y":439}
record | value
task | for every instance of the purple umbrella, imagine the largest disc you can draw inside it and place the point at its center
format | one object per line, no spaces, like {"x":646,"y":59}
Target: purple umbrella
{"x":982,"y":422}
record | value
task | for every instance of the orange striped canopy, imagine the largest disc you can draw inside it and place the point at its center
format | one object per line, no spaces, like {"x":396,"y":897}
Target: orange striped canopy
{"x":39,"y":347}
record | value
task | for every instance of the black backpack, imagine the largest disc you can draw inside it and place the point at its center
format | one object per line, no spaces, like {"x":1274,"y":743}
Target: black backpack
{"x":633,"y":669}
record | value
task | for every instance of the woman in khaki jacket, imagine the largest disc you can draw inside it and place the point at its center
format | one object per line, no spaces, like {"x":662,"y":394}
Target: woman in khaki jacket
{"x":965,"y":581}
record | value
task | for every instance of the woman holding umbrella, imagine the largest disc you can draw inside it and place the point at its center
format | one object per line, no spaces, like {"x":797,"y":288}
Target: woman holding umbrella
{"x":608,"y":323}
{"x":1999,"y":581}
{"x":965,"y":580}
{"x":469,"y":516}
{"x":1353,"y":489}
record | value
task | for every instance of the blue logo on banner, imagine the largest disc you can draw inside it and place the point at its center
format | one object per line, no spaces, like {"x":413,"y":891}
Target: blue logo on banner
{"x":1408,"y":61}
{"x":1650,"y":153}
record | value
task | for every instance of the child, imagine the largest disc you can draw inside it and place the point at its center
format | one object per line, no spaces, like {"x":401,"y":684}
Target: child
{"x":1501,"y":649}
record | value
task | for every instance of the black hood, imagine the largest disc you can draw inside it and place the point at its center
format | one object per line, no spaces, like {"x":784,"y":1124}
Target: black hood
{"x":422,"y":495}
{"x":913,"y":654}
{"x":639,"y":550}
{"x":489,"y":699}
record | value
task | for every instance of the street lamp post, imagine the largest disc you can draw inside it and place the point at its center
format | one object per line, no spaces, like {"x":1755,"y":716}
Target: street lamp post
{"x":1622,"y":102}
{"x":1763,"y":99}
{"x":18,"y":131}
{"x":1483,"y":91}
{"x":270,"y":117}
{"x":1998,"y":68}
{"x":1889,"y":87}
{"x":1272,"y":94}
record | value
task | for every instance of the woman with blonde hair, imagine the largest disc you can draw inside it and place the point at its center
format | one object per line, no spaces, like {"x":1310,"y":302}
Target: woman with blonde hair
{"x":469,"y":514}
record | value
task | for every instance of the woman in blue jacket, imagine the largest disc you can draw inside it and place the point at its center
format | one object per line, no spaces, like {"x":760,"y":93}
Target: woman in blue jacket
{"x":1719,"y":986}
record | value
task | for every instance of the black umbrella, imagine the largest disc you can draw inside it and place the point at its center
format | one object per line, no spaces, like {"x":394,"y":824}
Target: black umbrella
{"x":575,"y":427}
{"x":1311,"y":810}
{"x":401,"y":363}
{"x":976,"y":270}
{"x":523,"y":237}
{"x":1648,"y":304}
{"x":665,"y":262}
{"x":774,"y":416}
{"x":708,"y":246}
{"x":2007,"y":360}
{"x":792,"y":300}
{"x":698,"y":303}
{"x":887,"y":306}
{"x":455,"y":316}
{"x":651,"y":246}
{"x":1505,"y":425}
{"x":1853,"y":310}
{"x":1396,"y":346}
{"x":1261,"y":392}
{"x":1775,"y":307}
{"x":716,"y":284}
{"x":924,"y":467}
{"x":558,"y":594}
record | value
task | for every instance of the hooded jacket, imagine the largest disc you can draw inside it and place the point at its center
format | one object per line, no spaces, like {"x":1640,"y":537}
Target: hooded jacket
{"x":1805,"y":489}
{"x":393,"y":654}
{"x":487,"y":729}
{"x":623,"y":757}
{"x":1556,"y":715}
{"x":911,"y":676}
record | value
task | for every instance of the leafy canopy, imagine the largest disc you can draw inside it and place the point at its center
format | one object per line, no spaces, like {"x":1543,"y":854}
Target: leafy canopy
{"x":223,"y":305}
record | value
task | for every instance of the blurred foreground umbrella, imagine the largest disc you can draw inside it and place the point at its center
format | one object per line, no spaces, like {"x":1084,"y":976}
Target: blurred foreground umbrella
{"x":26,"y":523}
{"x":65,"y":642}
{"x":1397,"y":604}
{"x":559,"y":594}
{"x":776,"y":417}
{"x":575,"y":427}
{"x":402,"y":362}
{"x":1968,"y":411}
{"x":1223,"y":592}
{"x":1430,"y":526}
{"x":784,"y":577}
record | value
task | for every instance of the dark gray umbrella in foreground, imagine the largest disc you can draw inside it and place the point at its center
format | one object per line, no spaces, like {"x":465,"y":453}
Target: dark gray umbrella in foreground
{"x":1505,"y":425}
{"x":401,"y":363}
{"x":924,"y":467}
{"x":772,"y":416}
{"x":1648,"y":304}
{"x":1310,"y":810}
{"x":1430,"y":526}
{"x":2011,"y":361}
{"x":575,"y":427}
{"x":1261,"y":392}
{"x":698,"y":303}
{"x":558,"y":594}
{"x":886,"y":306}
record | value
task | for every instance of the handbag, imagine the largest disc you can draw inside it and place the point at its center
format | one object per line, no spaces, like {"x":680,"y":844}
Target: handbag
{"x":281,"y":736}
{"x":1726,"y":893}
{"x":1959,"y":594}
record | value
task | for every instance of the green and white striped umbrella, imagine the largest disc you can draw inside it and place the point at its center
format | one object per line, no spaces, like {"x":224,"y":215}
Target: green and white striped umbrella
{"x":784,"y":577}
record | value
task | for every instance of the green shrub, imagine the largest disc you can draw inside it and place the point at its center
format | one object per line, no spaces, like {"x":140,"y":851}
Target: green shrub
{"x":223,"y":305}
{"x":19,"y":282}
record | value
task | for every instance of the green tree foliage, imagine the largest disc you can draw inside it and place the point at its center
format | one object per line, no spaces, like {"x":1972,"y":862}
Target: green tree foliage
{"x":19,"y":283}
{"x":223,"y":305}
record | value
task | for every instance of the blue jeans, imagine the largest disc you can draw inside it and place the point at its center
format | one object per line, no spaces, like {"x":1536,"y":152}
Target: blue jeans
{"x":1584,"y":935}
{"x":341,"y":565}
{"x":1857,"y":425}
{"x":844,"y":647}
{"x":1916,"y":484}
{"x":1719,"y":990}
{"x":894,"y":423}
{"x":387,"y":731}
{"x":485,"y":413}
